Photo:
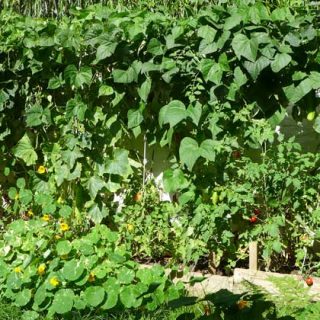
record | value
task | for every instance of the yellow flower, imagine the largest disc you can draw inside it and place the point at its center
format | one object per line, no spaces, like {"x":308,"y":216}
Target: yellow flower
{"x":130,"y":227}
{"x":57,"y":237}
{"x":41,"y":269}
{"x":17,"y":270}
{"x":41,"y":169}
{"x":92,"y":277}
{"x":60,"y":200}
{"x":30,"y":213}
{"x":54,"y":281}
{"x":64,"y":226}
{"x":45,"y":217}
{"x":242,"y":304}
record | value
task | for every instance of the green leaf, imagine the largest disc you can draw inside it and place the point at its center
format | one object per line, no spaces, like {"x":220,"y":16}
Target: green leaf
{"x":94,"y":295}
{"x":294,"y":94}
{"x":78,"y":77}
{"x":316,"y":125}
{"x":135,"y":118}
{"x":95,"y":184}
{"x":63,"y":247}
{"x":25,"y":151}
{"x":189,"y":152}
{"x":254,"y":68}
{"x":239,"y":77}
{"x":105,"y":50}
{"x":208,"y":33}
{"x":154,"y":47}
{"x":55,"y":83}
{"x":281,"y":60}
{"x":105,"y":90}
{"x":174,"y":180}
{"x":23,"y":297}
{"x":96,"y":214}
{"x":72,"y":270}
{"x":119,"y":164}
{"x":208,"y":149}
{"x":63,"y":301}
{"x":194,"y":112}
{"x":245,"y":47}
{"x":172,"y":113}
{"x":144,"y":90}
{"x":34,"y":116}
{"x":211,"y":70}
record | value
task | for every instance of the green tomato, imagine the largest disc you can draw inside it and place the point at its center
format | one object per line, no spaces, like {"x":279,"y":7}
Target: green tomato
{"x":215,"y":197}
{"x":311,"y":115}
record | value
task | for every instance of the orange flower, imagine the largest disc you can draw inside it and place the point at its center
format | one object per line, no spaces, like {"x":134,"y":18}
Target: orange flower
{"x":242,"y":304}
{"x":92,"y":277}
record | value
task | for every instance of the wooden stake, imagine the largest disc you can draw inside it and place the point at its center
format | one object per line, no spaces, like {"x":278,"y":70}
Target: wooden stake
{"x":253,"y":256}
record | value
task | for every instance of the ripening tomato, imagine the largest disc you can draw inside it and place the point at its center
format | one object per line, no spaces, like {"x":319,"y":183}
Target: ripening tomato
{"x":253,"y":219}
{"x":309,"y":281}
{"x":137,"y":197}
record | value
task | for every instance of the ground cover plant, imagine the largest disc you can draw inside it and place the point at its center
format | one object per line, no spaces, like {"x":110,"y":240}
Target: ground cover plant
{"x":84,"y":98}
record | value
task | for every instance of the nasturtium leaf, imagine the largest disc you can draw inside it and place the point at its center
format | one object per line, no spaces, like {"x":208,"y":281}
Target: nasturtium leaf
{"x":94,"y":295}
{"x":95,"y":184}
{"x":281,"y":60}
{"x":189,"y":152}
{"x":65,"y":211}
{"x":245,"y":47}
{"x":30,"y":315}
{"x":25,"y":196}
{"x":21,"y":183}
{"x":23,"y":297}
{"x":174,"y":180}
{"x":72,"y":270}
{"x":172,"y":113}
{"x":125,"y":275}
{"x":63,"y":247}
{"x":63,"y":301}
{"x":25,"y":151}
{"x":129,"y":297}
